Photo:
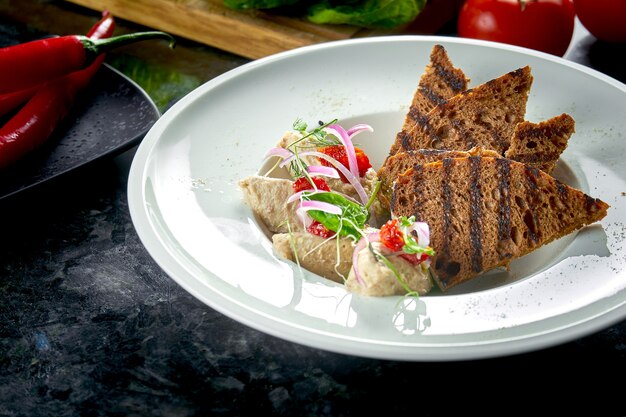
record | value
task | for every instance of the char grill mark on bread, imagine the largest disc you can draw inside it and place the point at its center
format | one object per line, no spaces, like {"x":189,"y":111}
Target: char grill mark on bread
{"x":453,"y":77}
{"x":430,"y":95}
{"x":404,"y":139}
{"x":446,"y":196}
{"x":476,"y":228}
{"x":503,"y":204}
{"x":399,"y":163}
{"x":484,"y":212}
{"x":416,"y":115}
{"x":439,"y":82}
{"x":530,"y":218}
{"x":483,"y":116}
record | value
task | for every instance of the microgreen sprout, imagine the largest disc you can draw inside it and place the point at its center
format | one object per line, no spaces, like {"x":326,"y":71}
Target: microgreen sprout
{"x":316,"y":137}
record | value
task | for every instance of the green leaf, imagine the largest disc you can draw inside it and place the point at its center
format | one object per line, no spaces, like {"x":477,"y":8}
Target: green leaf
{"x":384,"y":14}
{"x":349,"y":223}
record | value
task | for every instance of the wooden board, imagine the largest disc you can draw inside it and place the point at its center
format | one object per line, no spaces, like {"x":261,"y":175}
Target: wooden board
{"x":251,"y":34}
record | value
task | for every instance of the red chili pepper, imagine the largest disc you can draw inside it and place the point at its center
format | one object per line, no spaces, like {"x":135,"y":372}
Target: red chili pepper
{"x":10,"y":101}
{"x":34,"y":123}
{"x":31,"y":63}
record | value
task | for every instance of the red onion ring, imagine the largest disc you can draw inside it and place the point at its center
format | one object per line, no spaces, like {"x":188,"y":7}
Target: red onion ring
{"x":423,"y":233}
{"x":356,"y":129}
{"x":322,"y":171}
{"x":306,"y":205}
{"x":281,"y":152}
{"x":354,"y":181}
{"x":296,"y":196}
{"x":341,"y":134}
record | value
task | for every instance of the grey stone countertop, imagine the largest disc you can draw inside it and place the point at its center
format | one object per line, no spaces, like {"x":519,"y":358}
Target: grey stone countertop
{"x":91,"y":326}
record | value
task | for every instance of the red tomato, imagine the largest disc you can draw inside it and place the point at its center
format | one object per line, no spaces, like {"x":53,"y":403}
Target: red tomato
{"x":303,"y":184}
{"x":605,"y":19}
{"x":391,"y":236}
{"x":339,"y":153}
{"x":544,"y":25}
{"x":317,"y":228}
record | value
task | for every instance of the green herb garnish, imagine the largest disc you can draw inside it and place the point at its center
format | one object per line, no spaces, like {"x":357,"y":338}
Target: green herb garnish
{"x":411,"y":245}
{"x":351,"y":220}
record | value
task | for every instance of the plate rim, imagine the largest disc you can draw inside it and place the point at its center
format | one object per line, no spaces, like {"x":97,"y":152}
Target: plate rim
{"x":273,"y":325}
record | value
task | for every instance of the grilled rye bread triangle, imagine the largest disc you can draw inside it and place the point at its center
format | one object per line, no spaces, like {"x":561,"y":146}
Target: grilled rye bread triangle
{"x":439,"y":82}
{"x":484,"y":212}
{"x":482,"y":116}
{"x":541,"y":144}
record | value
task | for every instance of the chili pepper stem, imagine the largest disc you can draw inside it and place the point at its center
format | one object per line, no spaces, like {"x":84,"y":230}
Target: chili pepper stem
{"x":95,"y":47}
{"x":28,"y":64}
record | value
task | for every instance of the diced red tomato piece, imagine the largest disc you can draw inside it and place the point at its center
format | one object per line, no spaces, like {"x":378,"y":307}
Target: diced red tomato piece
{"x":302,"y":184}
{"x":391,"y":236}
{"x":338,"y":152}
{"x":317,"y":228}
{"x":414,"y":258}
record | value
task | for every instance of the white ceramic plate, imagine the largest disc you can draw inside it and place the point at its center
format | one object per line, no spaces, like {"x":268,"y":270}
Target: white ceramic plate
{"x":189,"y":213}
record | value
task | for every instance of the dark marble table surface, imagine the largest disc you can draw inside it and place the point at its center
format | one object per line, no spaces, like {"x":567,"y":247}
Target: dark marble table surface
{"x":91,"y":326}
